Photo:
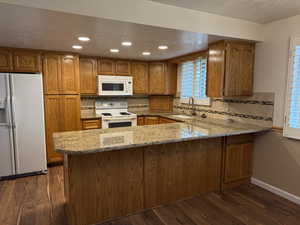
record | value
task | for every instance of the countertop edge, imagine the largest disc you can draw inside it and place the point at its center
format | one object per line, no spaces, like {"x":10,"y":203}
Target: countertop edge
{"x":116,"y":148}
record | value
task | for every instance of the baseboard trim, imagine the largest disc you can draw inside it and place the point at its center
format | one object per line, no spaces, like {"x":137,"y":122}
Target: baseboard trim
{"x":277,"y":191}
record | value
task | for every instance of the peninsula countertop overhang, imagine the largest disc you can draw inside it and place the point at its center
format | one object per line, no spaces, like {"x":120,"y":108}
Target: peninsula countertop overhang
{"x":101,"y":140}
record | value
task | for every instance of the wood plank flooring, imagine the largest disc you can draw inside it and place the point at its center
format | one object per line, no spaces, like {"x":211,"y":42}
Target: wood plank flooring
{"x":39,"y":200}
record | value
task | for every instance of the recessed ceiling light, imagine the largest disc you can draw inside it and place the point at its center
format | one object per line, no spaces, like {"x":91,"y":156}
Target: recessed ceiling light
{"x":77,"y":47}
{"x":84,"y":39}
{"x":114,"y":50}
{"x":126,"y":43}
{"x":162,"y":47}
{"x":146,"y":53}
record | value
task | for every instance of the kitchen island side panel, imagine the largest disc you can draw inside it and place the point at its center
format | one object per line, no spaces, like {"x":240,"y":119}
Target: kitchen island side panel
{"x":116,"y":183}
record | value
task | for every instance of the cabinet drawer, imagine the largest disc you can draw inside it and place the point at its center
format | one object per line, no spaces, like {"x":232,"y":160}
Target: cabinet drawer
{"x":91,"y":124}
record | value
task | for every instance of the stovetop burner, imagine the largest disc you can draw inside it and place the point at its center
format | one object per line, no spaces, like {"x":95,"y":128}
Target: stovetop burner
{"x":106,"y":114}
{"x":124,"y":113}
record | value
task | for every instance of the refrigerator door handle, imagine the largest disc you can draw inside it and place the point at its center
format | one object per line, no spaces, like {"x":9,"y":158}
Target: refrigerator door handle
{"x":13,"y":125}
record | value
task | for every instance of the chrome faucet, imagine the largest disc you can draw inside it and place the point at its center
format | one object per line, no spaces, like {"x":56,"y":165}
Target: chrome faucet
{"x":192,"y":103}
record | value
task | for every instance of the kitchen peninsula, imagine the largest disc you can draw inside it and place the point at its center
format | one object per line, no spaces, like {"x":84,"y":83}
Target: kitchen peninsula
{"x":115,"y":172}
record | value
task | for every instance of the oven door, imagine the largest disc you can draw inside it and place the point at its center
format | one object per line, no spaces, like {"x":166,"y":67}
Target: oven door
{"x":113,"y":123}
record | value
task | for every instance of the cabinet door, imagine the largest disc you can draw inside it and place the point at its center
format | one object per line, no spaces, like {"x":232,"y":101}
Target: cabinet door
{"x":106,"y":66}
{"x":141,"y":121}
{"x":151,"y":120}
{"x":161,"y":103}
{"x":53,"y":124}
{"x":51,"y":73}
{"x":140,"y":77}
{"x":247,"y":65}
{"x":157,"y":79}
{"x":123,"y":67}
{"x":215,"y":70}
{"x":88,"y":73}
{"x":70,"y":74}
{"x":27,"y":61}
{"x":171,"y":79}
{"x":239,"y":69}
{"x":6,"y":60}
{"x":70,"y":113}
{"x":238,"y":161}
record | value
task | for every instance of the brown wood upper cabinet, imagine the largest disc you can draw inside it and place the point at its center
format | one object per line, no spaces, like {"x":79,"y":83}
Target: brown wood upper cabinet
{"x":162,"y":78}
{"x":62,"y":113}
{"x":27,"y":61}
{"x":230,"y":69}
{"x":61,"y":74}
{"x":140,"y":77}
{"x":17,"y":60}
{"x":123,"y":67}
{"x":88,"y":73}
{"x":106,"y":66}
{"x":6,"y":60}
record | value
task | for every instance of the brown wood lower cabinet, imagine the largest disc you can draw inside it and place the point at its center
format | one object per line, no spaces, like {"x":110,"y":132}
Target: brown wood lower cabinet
{"x":152,"y":120}
{"x":62,"y":113}
{"x":238,"y":152}
{"x":104,"y":185}
{"x":141,"y":120}
{"x":88,"y":124}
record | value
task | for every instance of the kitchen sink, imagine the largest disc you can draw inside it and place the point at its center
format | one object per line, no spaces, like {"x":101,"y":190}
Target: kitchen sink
{"x":182,"y":116}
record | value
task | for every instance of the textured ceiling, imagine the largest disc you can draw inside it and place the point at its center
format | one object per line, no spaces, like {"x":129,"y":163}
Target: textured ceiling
{"x":42,"y":29}
{"x":260,"y":11}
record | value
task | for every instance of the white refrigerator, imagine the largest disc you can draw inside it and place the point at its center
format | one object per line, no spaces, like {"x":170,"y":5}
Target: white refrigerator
{"x":22,"y":126}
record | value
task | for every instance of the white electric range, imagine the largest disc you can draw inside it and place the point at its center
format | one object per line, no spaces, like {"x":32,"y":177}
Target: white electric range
{"x":114,"y":113}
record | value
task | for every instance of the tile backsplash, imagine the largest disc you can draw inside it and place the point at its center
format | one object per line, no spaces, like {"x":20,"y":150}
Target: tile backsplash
{"x":257,"y":109}
{"x":135,"y":103}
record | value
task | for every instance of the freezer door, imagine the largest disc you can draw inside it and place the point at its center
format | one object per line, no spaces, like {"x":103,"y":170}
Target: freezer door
{"x":7,"y":161}
{"x":28,"y":122}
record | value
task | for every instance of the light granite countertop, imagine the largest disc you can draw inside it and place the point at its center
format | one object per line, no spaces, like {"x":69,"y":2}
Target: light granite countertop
{"x":192,"y":128}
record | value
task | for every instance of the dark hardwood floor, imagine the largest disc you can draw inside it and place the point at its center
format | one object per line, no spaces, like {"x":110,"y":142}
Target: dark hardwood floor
{"x":39,"y":200}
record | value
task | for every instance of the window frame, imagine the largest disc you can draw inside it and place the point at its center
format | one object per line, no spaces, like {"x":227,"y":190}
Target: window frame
{"x":289,"y":131}
{"x":204,"y":102}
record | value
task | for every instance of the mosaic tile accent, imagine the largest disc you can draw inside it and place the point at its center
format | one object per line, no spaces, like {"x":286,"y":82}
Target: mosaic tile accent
{"x":244,"y":101}
{"x":256,"y":109}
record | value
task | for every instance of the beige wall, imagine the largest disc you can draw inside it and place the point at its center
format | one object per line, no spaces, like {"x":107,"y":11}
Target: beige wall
{"x":277,"y":161}
{"x":276,"y":158}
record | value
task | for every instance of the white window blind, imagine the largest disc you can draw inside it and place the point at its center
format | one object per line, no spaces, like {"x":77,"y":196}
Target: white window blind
{"x":193,"y":81}
{"x":292,"y":111}
{"x":187,"y":79}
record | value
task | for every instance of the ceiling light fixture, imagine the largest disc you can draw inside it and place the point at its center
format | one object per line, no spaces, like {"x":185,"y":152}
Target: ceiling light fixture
{"x":84,"y":39}
{"x":77,"y":47}
{"x":146,"y":53}
{"x":126,"y":43}
{"x":114,"y":50}
{"x":163,"y":47}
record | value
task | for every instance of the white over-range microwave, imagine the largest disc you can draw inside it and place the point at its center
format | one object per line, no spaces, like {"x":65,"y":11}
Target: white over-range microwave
{"x":114,"y":85}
